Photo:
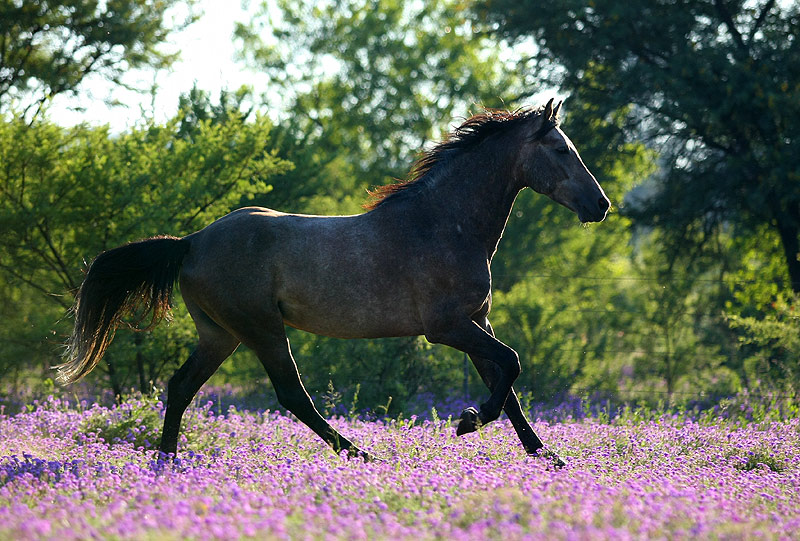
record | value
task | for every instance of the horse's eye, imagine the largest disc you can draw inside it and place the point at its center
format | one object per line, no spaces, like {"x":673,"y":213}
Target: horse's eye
{"x":562,"y":150}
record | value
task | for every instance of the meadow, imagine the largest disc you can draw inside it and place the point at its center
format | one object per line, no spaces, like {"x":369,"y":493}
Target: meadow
{"x":78,"y":471}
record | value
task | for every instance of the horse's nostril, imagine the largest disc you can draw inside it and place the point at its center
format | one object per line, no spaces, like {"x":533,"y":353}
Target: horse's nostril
{"x":603,"y":203}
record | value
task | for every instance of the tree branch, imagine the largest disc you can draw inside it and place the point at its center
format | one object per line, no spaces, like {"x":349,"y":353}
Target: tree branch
{"x":722,"y":9}
{"x":60,"y":266}
{"x":12,"y":271}
{"x":760,"y":20}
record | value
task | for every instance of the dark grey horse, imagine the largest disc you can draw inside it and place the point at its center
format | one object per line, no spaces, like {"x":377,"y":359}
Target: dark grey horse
{"x":416,"y":263}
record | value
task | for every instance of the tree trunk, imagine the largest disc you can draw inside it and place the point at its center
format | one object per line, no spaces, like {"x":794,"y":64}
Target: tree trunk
{"x":112,"y":374}
{"x":137,"y":342}
{"x":789,"y":231}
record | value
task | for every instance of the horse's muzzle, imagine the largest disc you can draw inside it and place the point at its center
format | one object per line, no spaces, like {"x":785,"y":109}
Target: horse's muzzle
{"x":593,"y":211}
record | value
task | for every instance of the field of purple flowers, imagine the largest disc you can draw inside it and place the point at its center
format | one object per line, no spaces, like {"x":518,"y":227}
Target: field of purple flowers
{"x":73,"y":471}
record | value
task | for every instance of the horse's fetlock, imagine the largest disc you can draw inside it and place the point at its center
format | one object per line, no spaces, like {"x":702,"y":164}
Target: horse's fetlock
{"x":488,"y":414}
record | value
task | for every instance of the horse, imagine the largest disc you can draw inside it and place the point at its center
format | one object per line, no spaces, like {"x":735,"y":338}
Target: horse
{"x":416,"y":262}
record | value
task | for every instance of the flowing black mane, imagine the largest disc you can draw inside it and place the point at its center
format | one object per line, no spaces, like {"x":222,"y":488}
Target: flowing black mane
{"x":474,"y":130}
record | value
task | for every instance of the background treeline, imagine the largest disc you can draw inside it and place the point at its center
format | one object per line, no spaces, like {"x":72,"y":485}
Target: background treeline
{"x":687,"y":112}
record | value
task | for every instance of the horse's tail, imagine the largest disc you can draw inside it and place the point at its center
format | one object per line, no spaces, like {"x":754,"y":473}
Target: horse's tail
{"x":134,"y":280}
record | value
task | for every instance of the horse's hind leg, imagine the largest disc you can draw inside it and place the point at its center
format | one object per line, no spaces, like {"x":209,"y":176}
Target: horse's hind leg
{"x":274,"y":353}
{"x":215,"y":345}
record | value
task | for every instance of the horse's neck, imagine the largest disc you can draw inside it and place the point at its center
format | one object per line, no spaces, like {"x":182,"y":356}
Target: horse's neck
{"x":479,"y":194}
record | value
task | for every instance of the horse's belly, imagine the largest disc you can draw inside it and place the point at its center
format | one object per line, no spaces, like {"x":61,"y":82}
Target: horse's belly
{"x":355,"y":331}
{"x":352,"y":320}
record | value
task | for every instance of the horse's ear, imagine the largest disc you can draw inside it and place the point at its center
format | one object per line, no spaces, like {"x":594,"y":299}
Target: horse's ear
{"x":557,"y":110}
{"x":547,"y":114}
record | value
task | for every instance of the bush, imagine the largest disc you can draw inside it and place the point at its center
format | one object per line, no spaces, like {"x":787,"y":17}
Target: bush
{"x":136,"y":420}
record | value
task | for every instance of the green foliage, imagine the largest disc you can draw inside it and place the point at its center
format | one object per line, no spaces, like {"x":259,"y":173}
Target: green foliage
{"x":373,"y":374}
{"x":136,"y":420}
{"x":756,"y":459}
{"x":771,"y":342}
{"x":372,"y":80}
{"x":677,"y":344}
{"x":686,"y":113}
{"x":70,"y":193}
{"x":712,"y":84}
{"x":762,"y":405}
{"x":50,"y":48}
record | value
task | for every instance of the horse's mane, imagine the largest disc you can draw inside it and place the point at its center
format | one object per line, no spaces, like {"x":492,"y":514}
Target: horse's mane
{"x":474,"y":130}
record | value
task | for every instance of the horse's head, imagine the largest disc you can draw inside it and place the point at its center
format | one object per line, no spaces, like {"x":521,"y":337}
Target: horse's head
{"x":550,"y":164}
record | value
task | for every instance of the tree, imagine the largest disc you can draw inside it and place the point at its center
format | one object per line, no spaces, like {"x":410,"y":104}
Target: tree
{"x":677,"y":318}
{"x":50,"y":48}
{"x":66,"y":194}
{"x":772,"y":344}
{"x":365,"y":83}
{"x":369,"y":82}
{"x":373,"y":80}
{"x":712,"y":84}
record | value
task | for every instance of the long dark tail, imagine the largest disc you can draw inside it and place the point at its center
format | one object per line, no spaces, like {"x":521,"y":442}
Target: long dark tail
{"x":135,"y":280}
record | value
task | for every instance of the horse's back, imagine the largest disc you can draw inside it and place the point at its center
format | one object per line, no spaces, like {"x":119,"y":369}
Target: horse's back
{"x":332,"y":275}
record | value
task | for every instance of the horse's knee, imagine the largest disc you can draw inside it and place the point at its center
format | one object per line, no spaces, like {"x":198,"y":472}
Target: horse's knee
{"x":509,"y":364}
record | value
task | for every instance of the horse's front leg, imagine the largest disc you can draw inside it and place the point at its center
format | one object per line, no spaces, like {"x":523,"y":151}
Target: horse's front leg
{"x":469,"y":337}
{"x":527,"y":436}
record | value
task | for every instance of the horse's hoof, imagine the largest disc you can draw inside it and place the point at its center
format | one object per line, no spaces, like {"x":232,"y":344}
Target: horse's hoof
{"x":470,"y":422}
{"x":166,"y":457}
{"x":552,"y":456}
{"x":371,"y":458}
{"x":363,"y":455}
